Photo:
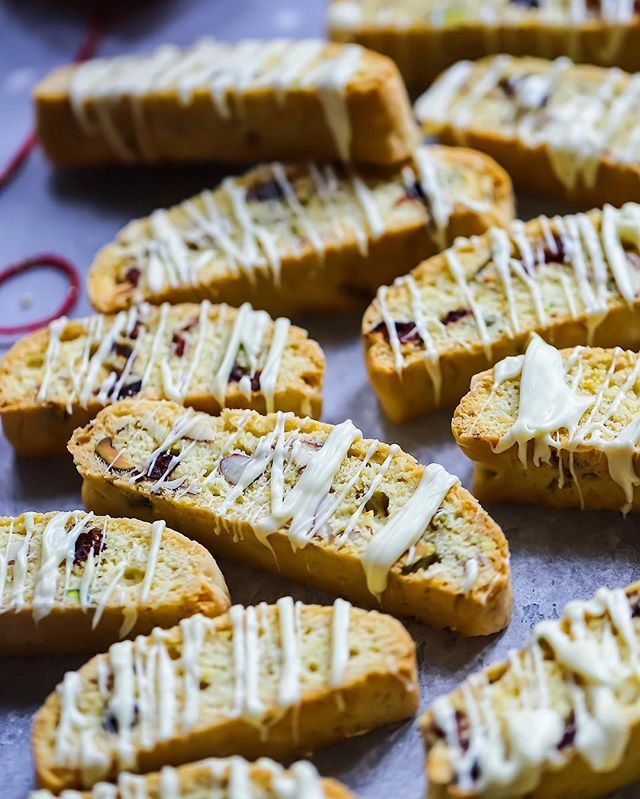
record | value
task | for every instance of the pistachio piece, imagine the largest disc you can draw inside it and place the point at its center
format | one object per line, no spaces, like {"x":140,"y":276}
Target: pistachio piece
{"x":110,"y":455}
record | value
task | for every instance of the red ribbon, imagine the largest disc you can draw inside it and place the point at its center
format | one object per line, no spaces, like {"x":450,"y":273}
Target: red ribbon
{"x":35,"y":262}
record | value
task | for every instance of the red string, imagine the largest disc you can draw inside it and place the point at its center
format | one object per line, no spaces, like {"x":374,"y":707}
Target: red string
{"x":35,"y":262}
{"x":87,"y":49}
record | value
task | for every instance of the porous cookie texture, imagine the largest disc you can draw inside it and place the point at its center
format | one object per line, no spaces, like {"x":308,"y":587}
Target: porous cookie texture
{"x":424,"y":37}
{"x":270,"y":680}
{"x":246,"y":101}
{"x":560,"y":718}
{"x":302,"y":237}
{"x":559,"y":428}
{"x":74,"y":582}
{"x":316,"y":503}
{"x":573,"y":279}
{"x":560,"y":129}
{"x":206,"y":356}
{"x":217,"y":778}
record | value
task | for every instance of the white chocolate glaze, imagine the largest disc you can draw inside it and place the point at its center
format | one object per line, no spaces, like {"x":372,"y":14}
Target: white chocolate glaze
{"x":351,"y":16}
{"x":234,"y":777}
{"x":42,"y":565}
{"x":591,"y":258}
{"x":579,"y":120}
{"x":225,"y":72}
{"x":557,"y":414}
{"x":581,"y":671}
{"x":143,"y":696}
{"x":237,"y":230}
{"x":406,"y":527}
{"x":251,"y":336}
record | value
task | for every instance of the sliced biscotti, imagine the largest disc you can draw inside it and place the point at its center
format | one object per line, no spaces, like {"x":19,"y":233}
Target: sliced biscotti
{"x":315,"y":502}
{"x":217,"y":778}
{"x":303,"y":237}
{"x":74,"y":582}
{"x":271,"y":680}
{"x":560,"y":719}
{"x":424,"y":37}
{"x":573,"y":279}
{"x":560,"y":428}
{"x":568,"y":131}
{"x":216,"y":101}
{"x":206,"y":356}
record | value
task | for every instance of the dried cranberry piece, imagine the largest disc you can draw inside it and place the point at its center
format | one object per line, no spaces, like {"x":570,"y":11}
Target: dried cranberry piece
{"x":160,"y":466}
{"x":635,"y":608}
{"x":87,"y":540}
{"x":464,"y":730}
{"x":129,"y":389}
{"x":133,"y":275}
{"x":455,"y":316}
{"x":133,"y":333}
{"x":557,"y":254}
{"x":238,"y":372}
{"x":569,"y":734}
{"x":122,"y":348}
{"x":179,"y":343}
{"x":508,"y":86}
{"x":264,"y":191}
{"x":407,"y":332}
{"x":110,"y":722}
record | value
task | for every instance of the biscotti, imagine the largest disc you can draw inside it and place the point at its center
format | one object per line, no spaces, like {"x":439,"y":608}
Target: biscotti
{"x":217,"y":778}
{"x":207,"y":356}
{"x":560,"y":719}
{"x":248,"y":101}
{"x":573,"y":279}
{"x":556,"y":428}
{"x":424,"y":37}
{"x":75,"y":582}
{"x":563,"y":130}
{"x":259,"y":681}
{"x":303,"y":237}
{"x":315,"y":502}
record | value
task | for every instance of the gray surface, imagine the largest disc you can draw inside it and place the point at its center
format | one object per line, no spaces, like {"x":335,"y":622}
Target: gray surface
{"x":556,"y":556}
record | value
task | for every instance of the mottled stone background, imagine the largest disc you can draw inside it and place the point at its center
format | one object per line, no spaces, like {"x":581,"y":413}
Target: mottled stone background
{"x":555,"y":556}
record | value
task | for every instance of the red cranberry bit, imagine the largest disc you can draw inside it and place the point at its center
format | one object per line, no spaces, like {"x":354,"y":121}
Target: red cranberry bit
{"x":455,"y":316}
{"x":569,"y":734}
{"x":130,"y":389}
{"x":159,"y":467}
{"x":87,"y":541}
{"x":135,"y":330}
{"x":635,"y":607}
{"x":556,"y":254}
{"x":407,"y":332}
{"x":179,"y":343}
{"x":122,"y":348}
{"x":508,"y":86}
{"x":238,"y":372}
{"x":132,"y":276}
{"x":265,"y":191}
{"x":110,"y":722}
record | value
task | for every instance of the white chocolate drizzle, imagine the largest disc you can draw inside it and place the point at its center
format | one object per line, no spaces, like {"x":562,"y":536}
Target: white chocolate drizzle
{"x":230,"y":228}
{"x":145,"y":701}
{"x":555,"y":415}
{"x":234,"y":777}
{"x":41,"y":564}
{"x":585,"y":122}
{"x":588,"y":662}
{"x":251,"y":334}
{"x":588,"y":256}
{"x":226,"y":72}
{"x":352,"y":16}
